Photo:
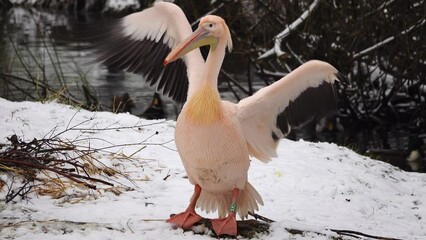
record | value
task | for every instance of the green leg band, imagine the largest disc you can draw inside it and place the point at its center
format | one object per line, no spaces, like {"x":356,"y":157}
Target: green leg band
{"x":233,"y":207}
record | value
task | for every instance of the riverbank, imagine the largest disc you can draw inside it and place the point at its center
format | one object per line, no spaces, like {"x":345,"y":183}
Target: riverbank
{"x":310,"y":186}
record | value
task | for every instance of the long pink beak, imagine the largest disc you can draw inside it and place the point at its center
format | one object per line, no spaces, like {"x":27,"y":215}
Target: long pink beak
{"x":196,"y":40}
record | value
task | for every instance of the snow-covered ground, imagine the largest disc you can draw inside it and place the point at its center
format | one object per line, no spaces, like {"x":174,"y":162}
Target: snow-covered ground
{"x":310,"y":186}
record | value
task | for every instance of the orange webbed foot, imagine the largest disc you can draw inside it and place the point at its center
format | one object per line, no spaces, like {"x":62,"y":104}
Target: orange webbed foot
{"x":227,"y":225}
{"x":185,"y":220}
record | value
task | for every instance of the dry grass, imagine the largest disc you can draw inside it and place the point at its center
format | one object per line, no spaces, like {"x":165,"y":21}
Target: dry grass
{"x":50,"y":166}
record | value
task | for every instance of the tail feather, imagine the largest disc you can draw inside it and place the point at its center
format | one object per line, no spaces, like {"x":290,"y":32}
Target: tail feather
{"x":248,"y":201}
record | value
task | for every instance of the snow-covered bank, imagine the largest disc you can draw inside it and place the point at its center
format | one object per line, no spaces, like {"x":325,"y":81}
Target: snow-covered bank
{"x":310,"y":186}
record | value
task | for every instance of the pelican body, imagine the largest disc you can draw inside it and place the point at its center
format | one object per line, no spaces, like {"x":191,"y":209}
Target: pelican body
{"x":215,"y":138}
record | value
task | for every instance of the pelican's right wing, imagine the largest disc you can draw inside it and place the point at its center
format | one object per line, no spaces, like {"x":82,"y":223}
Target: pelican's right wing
{"x":269,"y":114}
{"x":140,"y":42}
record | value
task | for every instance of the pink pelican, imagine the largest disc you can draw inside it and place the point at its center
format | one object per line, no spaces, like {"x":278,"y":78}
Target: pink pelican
{"x":214,"y":138}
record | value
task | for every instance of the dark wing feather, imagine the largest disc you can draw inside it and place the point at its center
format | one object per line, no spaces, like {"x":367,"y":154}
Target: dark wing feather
{"x":314,"y":102}
{"x":140,"y":42}
{"x":145,"y":57}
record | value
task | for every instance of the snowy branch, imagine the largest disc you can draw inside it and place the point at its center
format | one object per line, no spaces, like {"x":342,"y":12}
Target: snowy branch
{"x":387,"y":40}
{"x":276,"y":50}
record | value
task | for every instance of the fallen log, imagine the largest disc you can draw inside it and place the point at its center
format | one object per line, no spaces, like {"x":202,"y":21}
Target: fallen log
{"x":254,"y":228}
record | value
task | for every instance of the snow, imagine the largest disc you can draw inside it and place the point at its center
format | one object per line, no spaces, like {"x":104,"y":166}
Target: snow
{"x":311,"y":186}
{"x":119,"y":5}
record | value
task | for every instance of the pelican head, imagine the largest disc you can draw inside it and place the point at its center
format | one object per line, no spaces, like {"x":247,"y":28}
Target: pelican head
{"x":211,"y":30}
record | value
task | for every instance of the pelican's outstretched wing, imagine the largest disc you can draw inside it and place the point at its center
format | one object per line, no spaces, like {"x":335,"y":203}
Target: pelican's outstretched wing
{"x":291,"y":101}
{"x":140,"y":42}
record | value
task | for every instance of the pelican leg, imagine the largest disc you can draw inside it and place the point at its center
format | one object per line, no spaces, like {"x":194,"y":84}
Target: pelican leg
{"x":189,"y":217}
{"x":227,"y":225}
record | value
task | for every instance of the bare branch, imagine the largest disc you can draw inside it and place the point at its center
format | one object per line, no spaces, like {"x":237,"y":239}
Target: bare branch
{"x":276,"y":50}
{"x":387,"y":40}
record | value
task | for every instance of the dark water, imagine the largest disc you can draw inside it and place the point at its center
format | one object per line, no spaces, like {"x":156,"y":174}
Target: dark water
{"x":48,"y":39}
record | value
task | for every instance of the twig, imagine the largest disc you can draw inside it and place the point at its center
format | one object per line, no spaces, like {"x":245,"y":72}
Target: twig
{"x":167,"y":176}
{"x":25,"y":92}
{"x":230,"y":78}
{"x":21,"y":60}
{"x":208,"y":13}
{"x":357,"y":234}
{"x":61,"y":94}
{"x":115,"y":128}
{"x":233,"y":91}
{"x":21,"y":189}
{"x":293,"y":53}
{"x":257,"y":216}
{"x":71,"y":176}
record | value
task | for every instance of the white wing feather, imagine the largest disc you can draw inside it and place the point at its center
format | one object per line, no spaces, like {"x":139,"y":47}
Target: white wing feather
{"x":166,"y":19}
{"x":153,"y":22}
{"x":258,"y":113}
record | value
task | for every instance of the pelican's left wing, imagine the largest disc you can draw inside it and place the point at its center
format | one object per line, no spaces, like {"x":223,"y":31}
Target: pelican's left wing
{"x":140,"y":42}
{"x":269,"y":114}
